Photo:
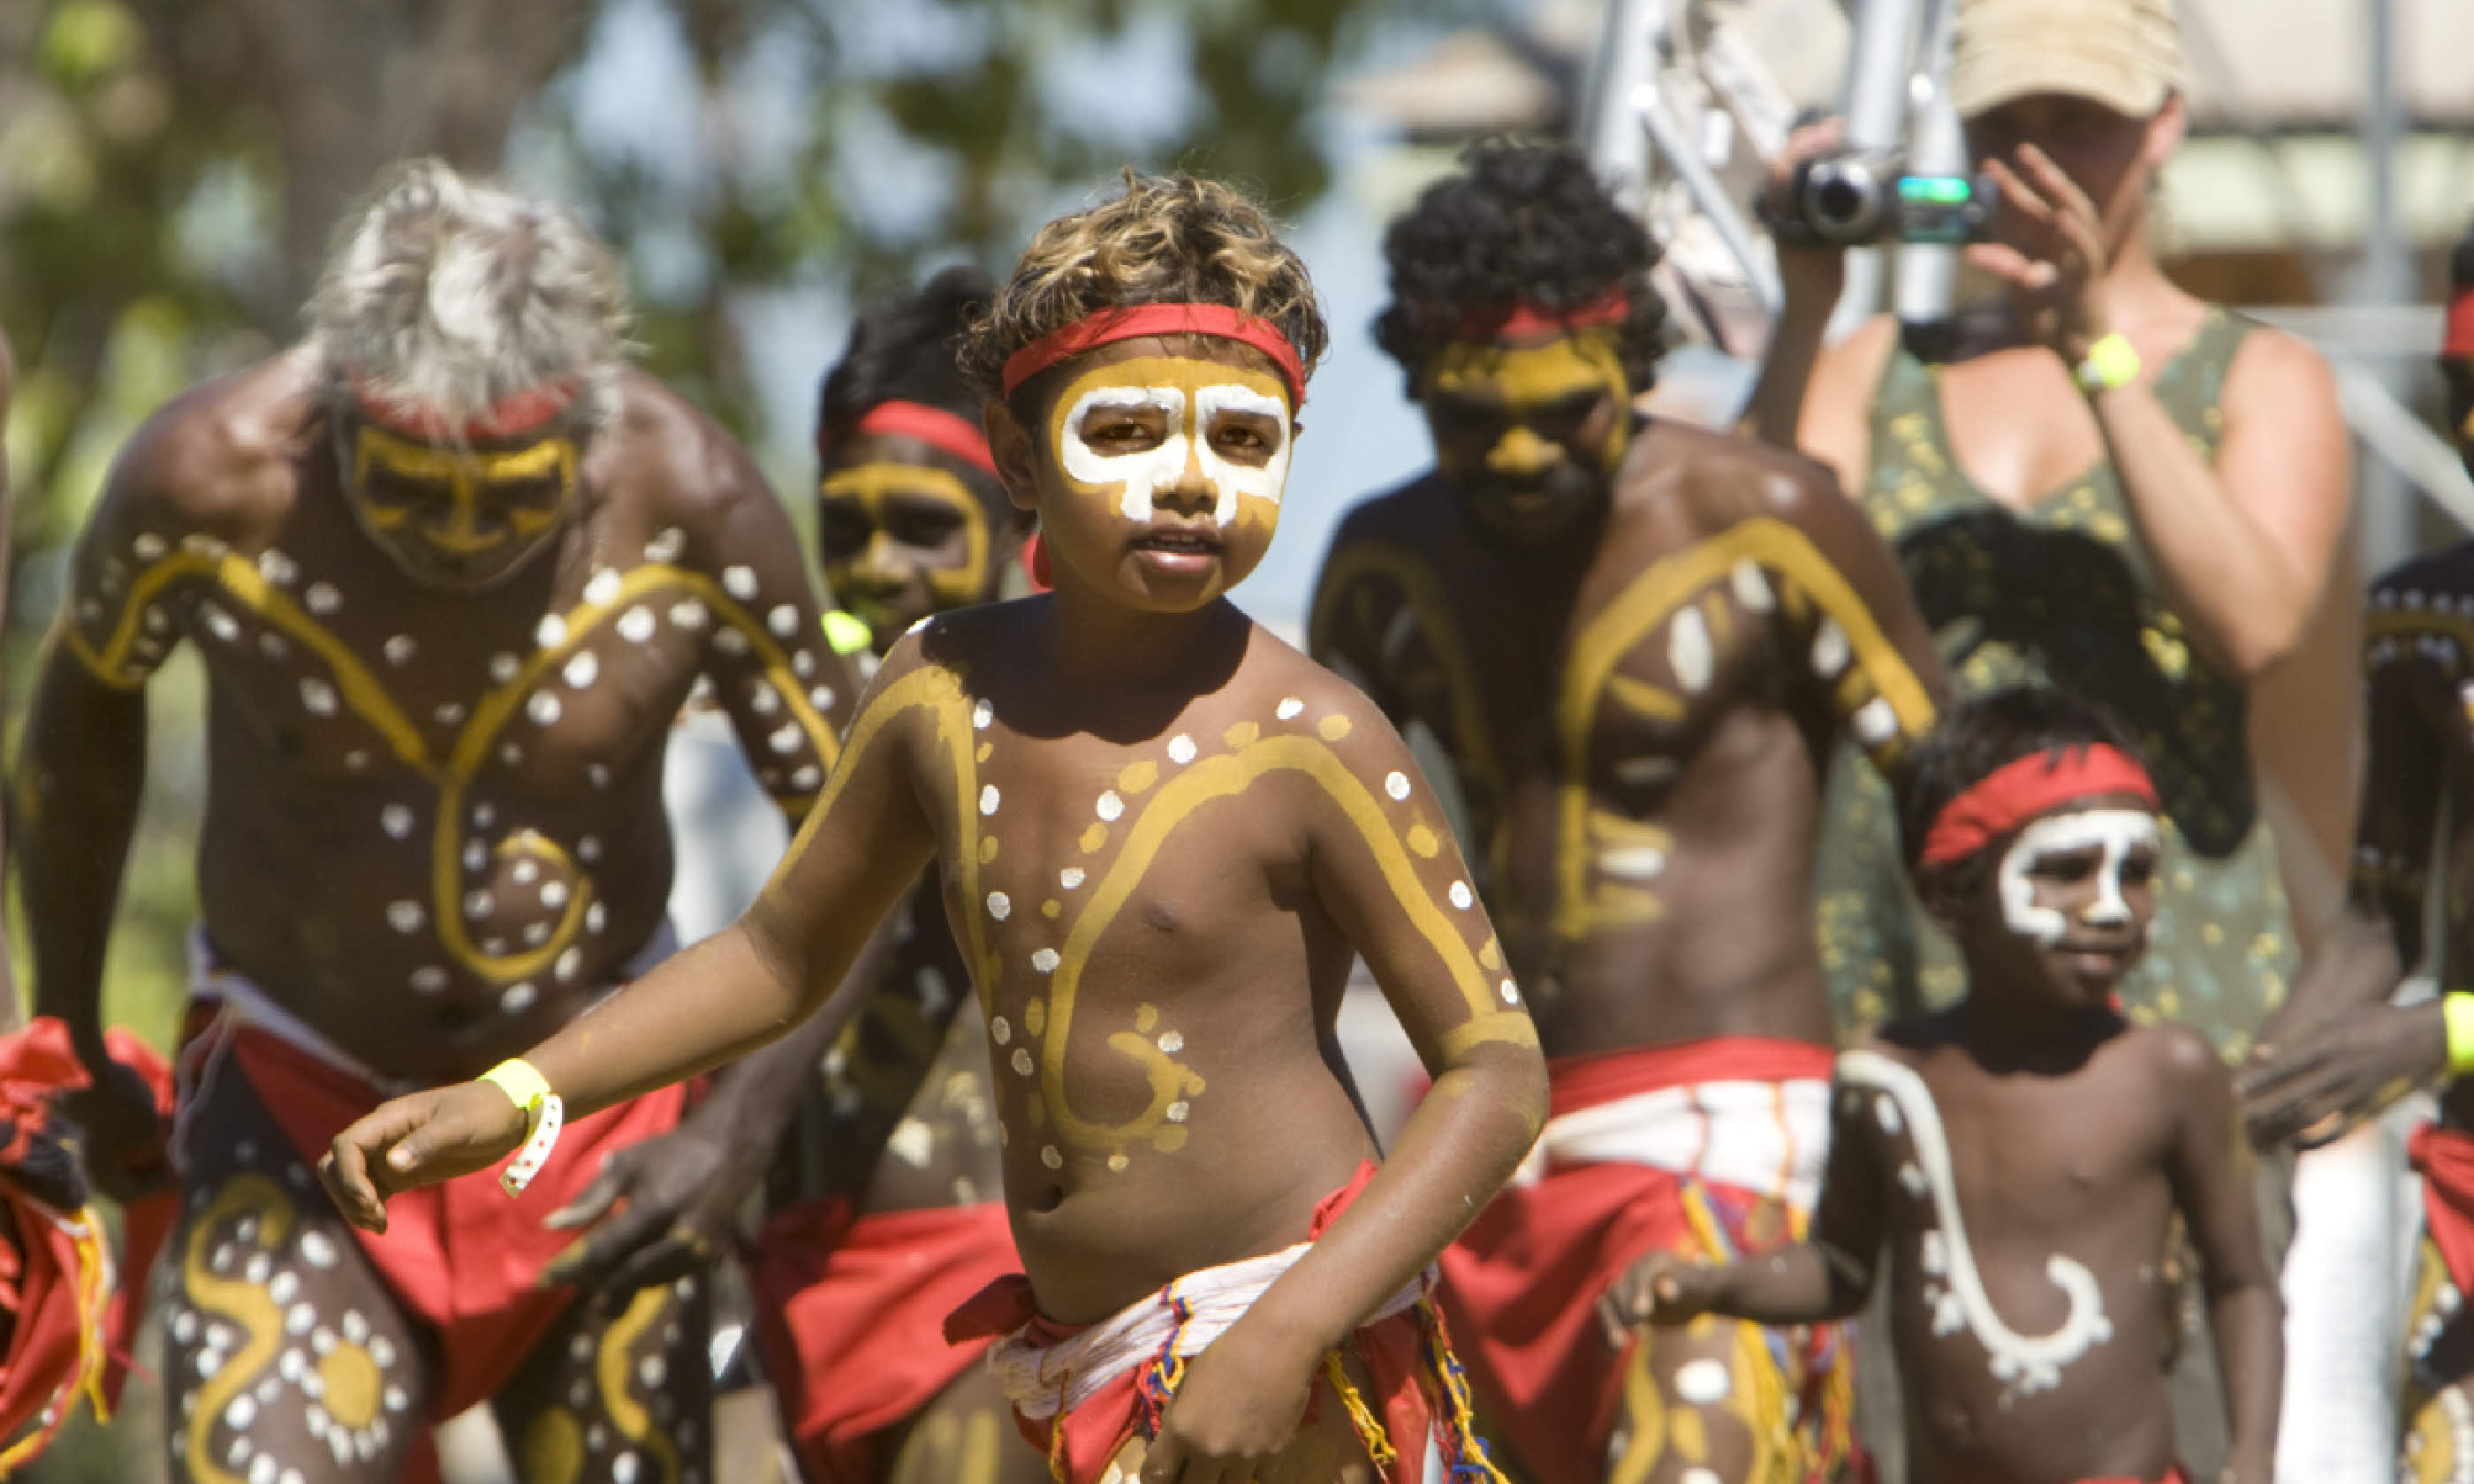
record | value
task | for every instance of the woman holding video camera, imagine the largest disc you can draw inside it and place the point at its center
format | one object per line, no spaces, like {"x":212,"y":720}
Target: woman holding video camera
{"x":2097,"y":480}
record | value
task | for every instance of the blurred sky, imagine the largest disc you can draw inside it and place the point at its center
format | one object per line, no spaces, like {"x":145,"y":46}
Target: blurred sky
{"x":1361,"y":433}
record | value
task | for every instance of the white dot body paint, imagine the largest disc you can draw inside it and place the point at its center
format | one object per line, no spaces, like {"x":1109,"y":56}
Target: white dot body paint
{"x":690,"y":613}
{"x":740,"y":582}
{"x":1830,"y":650}
{"x":1704,"y":1383}
{"x":635,"y":625}
{"x":664,"y":548}
{"x":400,"y":648}
{"x":2114,"y":831}
{"x":1752,"y":590}
{"x":2031,"y":1363}
{"x":1398,"y":786}
{"x":1180,"y":749}
{"x":1144,"y":474}
{"x":1688,"y":651}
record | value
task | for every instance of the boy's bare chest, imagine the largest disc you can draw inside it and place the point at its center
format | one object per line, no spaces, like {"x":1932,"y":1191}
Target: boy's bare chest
{"x":2029,"y":1157}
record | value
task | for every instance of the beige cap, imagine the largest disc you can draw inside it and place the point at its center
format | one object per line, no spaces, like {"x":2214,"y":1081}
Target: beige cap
{"x":2124,"y":54}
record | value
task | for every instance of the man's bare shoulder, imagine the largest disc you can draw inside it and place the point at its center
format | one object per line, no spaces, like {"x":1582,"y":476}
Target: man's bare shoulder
{"x":1724,"y":478}
{"x":223,"y":459}
{"x":1401,"y":516}
{"x":682,"y":468}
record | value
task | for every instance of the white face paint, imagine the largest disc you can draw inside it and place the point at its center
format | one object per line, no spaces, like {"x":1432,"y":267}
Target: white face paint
{"x":1187,"y":425}
{"x":2118,"y":833}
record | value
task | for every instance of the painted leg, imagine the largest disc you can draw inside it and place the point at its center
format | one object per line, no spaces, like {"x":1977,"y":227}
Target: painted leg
{"x":965,"y":1436}
{"x":285,"y":1360}
{"x":1326,"y":1449}
{"x":1688,"y":1408}
{"x":624,"y":1398}
{"x":2438,"y":1409}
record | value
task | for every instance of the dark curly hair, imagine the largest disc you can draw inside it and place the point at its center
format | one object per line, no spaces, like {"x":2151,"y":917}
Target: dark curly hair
{"x":1165,"y":239}
{"x":1518,"y":224}
{"x":904,"y":351}
{"x":1972,"y":739}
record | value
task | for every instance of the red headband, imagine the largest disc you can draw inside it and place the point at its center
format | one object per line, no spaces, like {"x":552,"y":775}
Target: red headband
{"x":2024,"y":787}
{"x":1494,"y":322}
{"x":1105,"y":326}
{"x":507,"y":417}
{"x":941,"y":430}
{"x":2460,"y":339}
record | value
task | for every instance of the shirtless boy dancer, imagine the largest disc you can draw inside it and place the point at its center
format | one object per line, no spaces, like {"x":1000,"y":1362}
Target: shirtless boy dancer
{"x":1637,"y":643}
{"x":2024,"y":1153}
{"x":2338,"y":1052}
{"x":886,"y":1195}
{"x":451,"y":568}
{"x":1162,"y":835}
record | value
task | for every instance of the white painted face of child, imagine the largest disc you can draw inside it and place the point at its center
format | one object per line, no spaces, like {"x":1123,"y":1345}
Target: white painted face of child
{"x":2124,"y":840}
{"x":1189,"y":415}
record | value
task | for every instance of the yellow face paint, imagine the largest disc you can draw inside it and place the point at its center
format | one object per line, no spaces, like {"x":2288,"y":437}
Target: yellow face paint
{"x":1129,"y":429}
{"x":1536,"y":401}
{"x":462,"y":519}
{"x":890,"y":530}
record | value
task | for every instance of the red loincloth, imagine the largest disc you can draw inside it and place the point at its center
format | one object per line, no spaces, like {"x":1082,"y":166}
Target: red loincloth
{"x":460,"y":1256}
{"x":1521,"y":1285}
{"x":2445,"y":1158}
{"x":1407,"y":1359}
{"x":849,"y":1315}
{"x":68,"y":1322}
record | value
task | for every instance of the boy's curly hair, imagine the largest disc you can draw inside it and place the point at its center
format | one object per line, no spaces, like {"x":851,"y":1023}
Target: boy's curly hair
{"x":1971,"y":740}
{"x":904,"y":351}
{"x":1518,"y":224}
{"x":1168,"y":239}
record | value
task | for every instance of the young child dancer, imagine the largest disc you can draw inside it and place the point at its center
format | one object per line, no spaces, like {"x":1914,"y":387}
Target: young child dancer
{"x":2025,"y":1152}
{"x":1162,"y":835}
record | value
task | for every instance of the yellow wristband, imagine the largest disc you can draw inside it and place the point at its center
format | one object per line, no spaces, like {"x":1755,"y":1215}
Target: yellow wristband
{"x":524,"y":1087}
{"x":847,"y":633}
{"x":2457,"y":1010}
{"x":2111,"y":363}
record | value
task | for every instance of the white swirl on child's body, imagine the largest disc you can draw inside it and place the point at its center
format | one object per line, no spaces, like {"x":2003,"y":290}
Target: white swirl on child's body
{"x":2033,"y":1362}
{"x":1147,"y":472}
{"x":2117,"y":832}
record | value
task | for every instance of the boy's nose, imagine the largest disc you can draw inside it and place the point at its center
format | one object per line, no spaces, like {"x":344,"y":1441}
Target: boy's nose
{"x":1521,"y":454}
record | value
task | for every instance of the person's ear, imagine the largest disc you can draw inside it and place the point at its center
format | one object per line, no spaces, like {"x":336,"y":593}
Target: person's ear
{"x":2165,"y":133}
{"x":1010,"y":441}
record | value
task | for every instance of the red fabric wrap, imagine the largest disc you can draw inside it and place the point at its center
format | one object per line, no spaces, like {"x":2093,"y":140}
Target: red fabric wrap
{"x":2459,"y":338}
{"x":2024,"y":787}
{"x":941,"y":430}
{"x":1107,"y":326}
{"x":509,"y":417}
{"x":1520,"y":1286}
{"x":849,"y":1316}
{"x":1392,"y":1349}
{"x":67,"y":1333}
{"x":460,"y":1256}
{"x":2445,"y":1158}
{"x":1503,"y":322}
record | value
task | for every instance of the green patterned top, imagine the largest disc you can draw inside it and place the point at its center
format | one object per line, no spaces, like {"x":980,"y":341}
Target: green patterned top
{"x":2062,"y":592}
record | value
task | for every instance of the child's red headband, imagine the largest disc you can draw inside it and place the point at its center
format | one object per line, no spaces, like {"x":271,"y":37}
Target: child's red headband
{"x":944,"y":431}
{"x":509,"y":417}
{"x":1494,"y":322}
{"x":2459,"y":338}
{"x":1107,"y":326}
{"x":2024,"y":787}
